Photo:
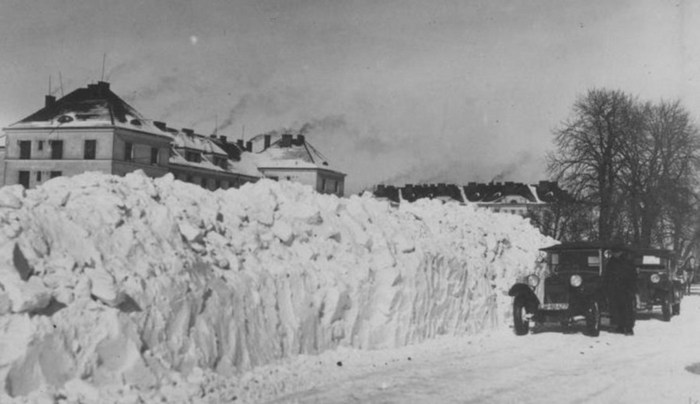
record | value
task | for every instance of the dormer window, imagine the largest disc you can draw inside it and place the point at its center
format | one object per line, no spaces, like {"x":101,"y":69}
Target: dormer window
{"x":136,"y":122}
{"x":193,"y":157}
{"x":64,"y":119}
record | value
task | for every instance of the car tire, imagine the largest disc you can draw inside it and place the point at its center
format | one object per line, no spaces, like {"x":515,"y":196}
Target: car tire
{"x":593,"y":319}
{"x":521,"y":325}
{"x":676,"y":309}
{"x":666,"y":310}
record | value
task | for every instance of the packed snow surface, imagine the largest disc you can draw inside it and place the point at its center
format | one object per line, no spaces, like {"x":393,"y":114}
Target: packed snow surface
{"x":129,"y":289}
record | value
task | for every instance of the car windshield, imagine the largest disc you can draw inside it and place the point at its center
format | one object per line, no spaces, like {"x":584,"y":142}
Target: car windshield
{"x":577,"y":260}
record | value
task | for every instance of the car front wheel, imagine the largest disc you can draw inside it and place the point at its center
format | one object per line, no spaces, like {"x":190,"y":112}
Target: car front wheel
{"x":593,"y":319}
{"x":521,"y":325}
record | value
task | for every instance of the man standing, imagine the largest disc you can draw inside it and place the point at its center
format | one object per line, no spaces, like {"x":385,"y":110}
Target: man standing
{"x":621,"y":281}
{"x":689,"y":274}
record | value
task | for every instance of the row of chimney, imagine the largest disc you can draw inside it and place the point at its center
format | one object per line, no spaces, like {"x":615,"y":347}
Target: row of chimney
{"x":286,"y":141}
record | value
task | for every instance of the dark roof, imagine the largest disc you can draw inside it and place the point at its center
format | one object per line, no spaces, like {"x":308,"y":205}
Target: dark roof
{"x":231,"y":149}
{"x":549,"y":191}
{"x":492,"y":192}
{"x":94,"y":105}
{"x":595,"y":245}
{"x":588,"y":245}
{"x":544,"y":192}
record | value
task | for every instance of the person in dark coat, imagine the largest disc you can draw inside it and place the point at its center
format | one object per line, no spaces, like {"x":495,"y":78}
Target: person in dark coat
{"x":621,"y":280}
{"x":688,"y":274}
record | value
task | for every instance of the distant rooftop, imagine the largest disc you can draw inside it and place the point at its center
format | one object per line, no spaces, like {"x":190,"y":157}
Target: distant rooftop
{"x":482,"y":193}
{"x":286,"y":150}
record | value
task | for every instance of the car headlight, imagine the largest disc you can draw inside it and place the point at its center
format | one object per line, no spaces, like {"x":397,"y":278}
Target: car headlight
{"x":655,"y":278}
{"x":575,"y":280}
{"x":533,"y":281}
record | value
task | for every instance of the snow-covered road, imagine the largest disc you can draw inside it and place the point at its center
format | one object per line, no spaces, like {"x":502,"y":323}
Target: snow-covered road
{"x":654,"y":366}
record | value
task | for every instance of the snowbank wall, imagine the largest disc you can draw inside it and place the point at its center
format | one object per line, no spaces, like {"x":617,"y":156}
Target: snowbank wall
{"x":128,"y":280}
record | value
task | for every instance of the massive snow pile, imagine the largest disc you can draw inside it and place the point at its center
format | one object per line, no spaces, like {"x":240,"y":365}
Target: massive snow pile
{"x":128,"y":288}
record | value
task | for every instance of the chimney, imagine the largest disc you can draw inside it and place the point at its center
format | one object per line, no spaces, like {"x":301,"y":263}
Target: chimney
{"x":223,"y":139}
{"x":249,"y":146}
{"x":267,"y":142}
{"x":100,"y":88}
{"x":160,"y":125}
{"x":300,"y":140}
{"x":213,"y":136}
{"x":239,"y":143}
{"x":49,"y":101}
{"x":286,"y":140}
{"x":187,"y":131}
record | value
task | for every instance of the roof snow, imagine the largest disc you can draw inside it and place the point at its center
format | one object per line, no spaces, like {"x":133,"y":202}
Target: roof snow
{"x":298,"y":153}
{"x":95,"y":105}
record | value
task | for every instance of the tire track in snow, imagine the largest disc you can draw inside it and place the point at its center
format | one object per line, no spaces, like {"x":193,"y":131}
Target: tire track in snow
{"x":543,"y":367}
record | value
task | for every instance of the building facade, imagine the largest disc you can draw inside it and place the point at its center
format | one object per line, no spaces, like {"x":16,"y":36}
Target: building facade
{"x":92,"y":129}
{"x":291,"y":158}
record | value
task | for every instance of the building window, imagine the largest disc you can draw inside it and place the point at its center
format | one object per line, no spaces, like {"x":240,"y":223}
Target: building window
{"x":220,"y":162}
{"x":193,"y":156}
{"x":25,"y":149}
{"x":38,"y":176}
{"x":336,"y":189}
{"x":40,"y":145}
{"x":204,"y":182}
{"x":90,"y":149}
{"x":154,"y":156}
{"x":217,"y":184}
{"x":128,"y":151}
{"x":323,"y":185}
{"x":55,"y":174}
{"x":56,"y":149}
{"x":24,"y":178}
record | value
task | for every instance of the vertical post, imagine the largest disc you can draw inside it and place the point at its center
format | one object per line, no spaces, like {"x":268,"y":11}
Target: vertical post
{"x":104,"y":57}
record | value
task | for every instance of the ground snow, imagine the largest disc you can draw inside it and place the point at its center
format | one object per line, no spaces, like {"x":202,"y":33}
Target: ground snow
{"x":121,"y":289}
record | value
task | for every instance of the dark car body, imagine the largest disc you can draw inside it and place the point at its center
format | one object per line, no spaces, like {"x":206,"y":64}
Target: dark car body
{"x":658,"y":283}
{"x":572,"y":290}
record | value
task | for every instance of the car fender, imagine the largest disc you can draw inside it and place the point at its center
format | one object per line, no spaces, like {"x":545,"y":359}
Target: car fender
{"x":523,"y":291}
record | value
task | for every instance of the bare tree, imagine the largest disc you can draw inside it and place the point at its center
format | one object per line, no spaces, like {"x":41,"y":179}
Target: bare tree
{"x":588,"y":162}
{"x":660,"y":170}
{"x":637,"y":164}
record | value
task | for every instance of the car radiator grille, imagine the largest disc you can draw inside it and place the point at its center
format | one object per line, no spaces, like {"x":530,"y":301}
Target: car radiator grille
{"x":556,"y":292}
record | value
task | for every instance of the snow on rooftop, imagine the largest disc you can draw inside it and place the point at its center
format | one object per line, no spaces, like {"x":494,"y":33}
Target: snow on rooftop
{"x":246,"y":165}
{"x":93,"y":106}
{"x":196,"y":142}
{"x":298,"y":154}
{"x":129,"y":289}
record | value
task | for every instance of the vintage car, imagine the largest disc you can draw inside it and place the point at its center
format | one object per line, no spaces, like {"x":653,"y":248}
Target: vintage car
{"x":658,"y":283}
{"x":572,"y":289}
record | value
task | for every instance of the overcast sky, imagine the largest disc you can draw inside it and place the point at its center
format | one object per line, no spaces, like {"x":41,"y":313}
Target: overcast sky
{"x":396,"y":91}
